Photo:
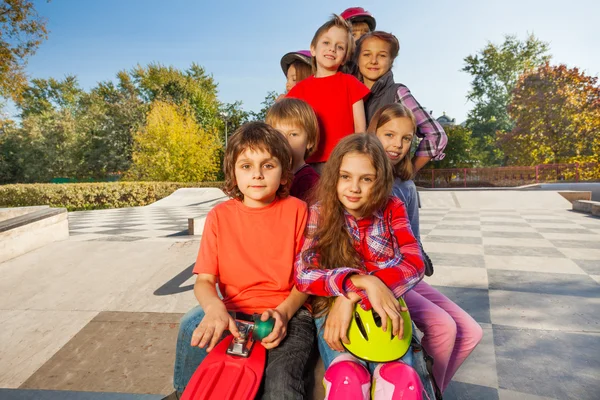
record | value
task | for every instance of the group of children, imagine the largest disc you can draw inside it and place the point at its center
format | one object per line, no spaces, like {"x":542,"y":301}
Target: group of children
{"x":357,"y":243}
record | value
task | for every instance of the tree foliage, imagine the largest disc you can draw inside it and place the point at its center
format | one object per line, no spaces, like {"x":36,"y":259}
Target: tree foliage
{"x":556,"y":110}
{"x":173,"y":147}
{"x":461,"y":150}
{"x":495,"y":71}
{"x":21,"y":32}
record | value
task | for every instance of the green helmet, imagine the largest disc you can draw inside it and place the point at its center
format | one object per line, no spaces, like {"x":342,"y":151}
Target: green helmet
{"x":370,"y":343}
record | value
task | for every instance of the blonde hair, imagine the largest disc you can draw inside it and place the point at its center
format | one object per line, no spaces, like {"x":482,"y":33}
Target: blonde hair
{"x":257,"y":136}
{"x":335,"y":21}
{"x":298,"y":113}
{"x":334,"y":244}
{"x":303,"y":70}
{"x":404,"y":169}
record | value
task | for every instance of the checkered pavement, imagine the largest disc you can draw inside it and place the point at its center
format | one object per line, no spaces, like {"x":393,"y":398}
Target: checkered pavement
{"x":531,"y":279}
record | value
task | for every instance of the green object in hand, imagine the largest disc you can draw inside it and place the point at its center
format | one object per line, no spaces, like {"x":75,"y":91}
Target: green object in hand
{"x":262,"y":328}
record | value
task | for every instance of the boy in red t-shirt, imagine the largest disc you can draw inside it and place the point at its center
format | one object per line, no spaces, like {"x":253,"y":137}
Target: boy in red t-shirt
{"x":298,"y":123}
{"x":248,"y":248}
{"x":337,"y":98}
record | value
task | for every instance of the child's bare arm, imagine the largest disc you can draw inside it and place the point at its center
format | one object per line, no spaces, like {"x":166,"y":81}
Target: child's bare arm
{"x":216,"y":318}
{"x":360,"y":120}
{"x":282,"y":314}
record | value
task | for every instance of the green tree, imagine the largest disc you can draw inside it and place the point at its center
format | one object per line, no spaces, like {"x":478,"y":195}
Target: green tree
{"x":112,"y":114}
{"x":461,"y":150}
{"x":495,"y":71}
{"x":21,"y":33}
{"x":269,"y":100}
{"x":173,"y":147}
{"x":556,"y":110}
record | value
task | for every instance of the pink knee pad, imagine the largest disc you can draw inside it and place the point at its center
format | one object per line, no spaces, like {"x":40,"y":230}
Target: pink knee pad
{"x":396,"y":381}
{"x":346,"y":379}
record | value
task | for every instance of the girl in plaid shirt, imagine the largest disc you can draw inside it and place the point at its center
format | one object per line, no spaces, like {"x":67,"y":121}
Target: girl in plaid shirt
{"x":358,"y":246}
{"x":450,"y":333}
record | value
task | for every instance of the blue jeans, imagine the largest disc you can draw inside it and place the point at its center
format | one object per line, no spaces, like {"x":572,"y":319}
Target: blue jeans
{"x":407,"y":192}
{"x":328,"y":354}
{"x":285,"y":366}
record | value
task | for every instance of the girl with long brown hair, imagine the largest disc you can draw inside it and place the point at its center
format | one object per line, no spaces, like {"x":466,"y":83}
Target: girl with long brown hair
{"x":451,"y":334}
{"x":358,"y":247}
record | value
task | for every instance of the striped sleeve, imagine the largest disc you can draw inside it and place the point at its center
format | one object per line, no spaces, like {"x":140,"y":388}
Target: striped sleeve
{"x":308,"y":275}
{"x":434,"y":139}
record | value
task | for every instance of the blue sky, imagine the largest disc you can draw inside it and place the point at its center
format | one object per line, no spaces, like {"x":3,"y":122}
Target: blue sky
{"x":241,"y":42}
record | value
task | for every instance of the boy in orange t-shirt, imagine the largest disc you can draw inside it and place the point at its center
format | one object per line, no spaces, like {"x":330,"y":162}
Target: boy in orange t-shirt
{"x":248,"y":248}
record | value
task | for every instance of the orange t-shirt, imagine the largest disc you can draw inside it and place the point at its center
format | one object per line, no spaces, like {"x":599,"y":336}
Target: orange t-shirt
{"x":251,"y":251}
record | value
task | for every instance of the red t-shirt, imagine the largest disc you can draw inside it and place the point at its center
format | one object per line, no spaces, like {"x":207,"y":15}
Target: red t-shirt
{"x":332,"y":98}
{"x":304,"y":181}
{"x":251,"y":251}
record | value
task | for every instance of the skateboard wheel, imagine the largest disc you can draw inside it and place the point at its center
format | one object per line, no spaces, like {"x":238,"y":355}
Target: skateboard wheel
{"x":262,"y":328}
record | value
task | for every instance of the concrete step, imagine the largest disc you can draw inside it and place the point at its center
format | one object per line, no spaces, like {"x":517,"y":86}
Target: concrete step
{"x":587,"y":206}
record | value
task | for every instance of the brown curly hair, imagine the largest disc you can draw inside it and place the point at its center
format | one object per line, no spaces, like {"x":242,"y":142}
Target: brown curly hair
{"x":257,"y":136}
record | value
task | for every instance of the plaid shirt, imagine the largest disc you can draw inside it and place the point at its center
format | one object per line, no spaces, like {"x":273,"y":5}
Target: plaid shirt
{"x":385,"y":244}
{"x":434,"y":138}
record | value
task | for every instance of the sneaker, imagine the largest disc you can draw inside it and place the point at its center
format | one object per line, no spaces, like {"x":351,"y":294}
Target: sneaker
{"x":427,"y":261}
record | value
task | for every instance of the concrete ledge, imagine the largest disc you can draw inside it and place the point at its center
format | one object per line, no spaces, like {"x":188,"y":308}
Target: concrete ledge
{"x":22,"y":234}
{"x":196,"y":225}
{"x":574,"y":195}
{"x":588,"y":207}
{"x":8,"y":213}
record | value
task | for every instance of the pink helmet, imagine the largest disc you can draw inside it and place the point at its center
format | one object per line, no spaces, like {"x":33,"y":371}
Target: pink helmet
{"x":359,"y":14}
{"x":289,"y":58}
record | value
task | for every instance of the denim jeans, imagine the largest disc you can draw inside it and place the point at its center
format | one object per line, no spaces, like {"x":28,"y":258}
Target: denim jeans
{"x":407,"y":192}
{"x":328,"y":354}
{"x":285,"y":366}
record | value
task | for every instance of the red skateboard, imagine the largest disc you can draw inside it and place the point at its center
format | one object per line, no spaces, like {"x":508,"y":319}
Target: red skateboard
{"x":233,"y":370}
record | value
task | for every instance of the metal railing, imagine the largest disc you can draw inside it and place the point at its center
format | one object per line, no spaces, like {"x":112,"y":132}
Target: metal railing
{"x":507,"y":176}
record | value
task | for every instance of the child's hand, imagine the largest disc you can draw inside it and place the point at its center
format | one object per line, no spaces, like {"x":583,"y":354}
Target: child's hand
{"x":338,"y":321}
{"x":212,"y":326}
{"x":384,"y":303}
{"x":279,"y":330}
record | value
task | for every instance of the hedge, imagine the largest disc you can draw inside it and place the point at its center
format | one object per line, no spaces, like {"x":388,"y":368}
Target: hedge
{"x":91,"y":196}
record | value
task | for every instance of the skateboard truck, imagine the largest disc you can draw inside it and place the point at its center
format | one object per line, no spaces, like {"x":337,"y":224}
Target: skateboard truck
{"x":242,"y":345}
{"x":250,"y":331}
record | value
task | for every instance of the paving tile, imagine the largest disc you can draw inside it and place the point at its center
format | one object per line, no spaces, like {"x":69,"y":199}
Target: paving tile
{"x":454,"y":248}
{"x":117,"y":231}
{"x":118,"y":238}
{"x":454,"y":239}
{"x":573,"y":244}
{"x":512,"y":235}
{"x":473,"y":301}
{"x":564,"y":230}
{"x":535,"y":264}
{"x":549,"y":220}
{"x":592,"y":267}
{"x":596,"y":278}
{"x":572,"y":236}
{"x":470,"y":277}
{"x":503,"y":241}
{"x":462,"y":218}
{"x":552,"y":224}
{"x":507,"y":228}
{"x":505,"y":223}
{"x":459,"y":227}
{"x":456,"y":260}
{"x":108,"y":353}
{"x":22,"y":394}
{"x":521,"y":251}
{"x":456,"y":232}
{"x":559,"y":365}
{"x":543,"y":283}
{"x":467,"y":391}
{"x":533,"y":311}
{"x":582,"y":254}
{"x":29,"y":338}
{"x":504,"y":394}
{"x":480,"y":366}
